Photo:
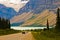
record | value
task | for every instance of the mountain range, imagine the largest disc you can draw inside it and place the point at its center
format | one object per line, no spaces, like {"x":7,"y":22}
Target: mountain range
{"x":27,"y":10}
{"x":36,"y":6}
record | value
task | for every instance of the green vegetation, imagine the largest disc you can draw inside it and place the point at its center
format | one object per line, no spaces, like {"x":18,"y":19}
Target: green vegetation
{"x":5,"y":27}
{"x":47,"y":24}
{"x":46,"y":35}
{"x":8,"y":31}
{"x":57,"y":27}
{"x":51,"y":34}
{"x":4,"y":23}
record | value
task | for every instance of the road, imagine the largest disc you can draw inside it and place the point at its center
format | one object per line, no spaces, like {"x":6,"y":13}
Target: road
{"x":18,"y":36}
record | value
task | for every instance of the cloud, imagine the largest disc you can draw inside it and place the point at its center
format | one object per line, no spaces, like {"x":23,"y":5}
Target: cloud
{"x":14,"y":1}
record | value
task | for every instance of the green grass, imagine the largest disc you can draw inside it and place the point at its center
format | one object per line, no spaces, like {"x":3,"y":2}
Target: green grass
{"x":8,"y":31}
{"x":46,"y":35}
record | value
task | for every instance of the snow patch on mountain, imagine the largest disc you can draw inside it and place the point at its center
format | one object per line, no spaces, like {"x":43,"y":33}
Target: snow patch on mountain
{"x":16,"y":4}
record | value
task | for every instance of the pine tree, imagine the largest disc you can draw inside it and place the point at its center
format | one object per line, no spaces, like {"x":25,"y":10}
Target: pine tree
{"x":8,"y":23}
{"x":47,"y":25}
{"x":57,"y":27}
{"x":0,"y":23}
{"x":4,"y":23}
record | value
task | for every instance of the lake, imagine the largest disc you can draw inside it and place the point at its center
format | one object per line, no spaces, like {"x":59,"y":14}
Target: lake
{"x":27,"y":28}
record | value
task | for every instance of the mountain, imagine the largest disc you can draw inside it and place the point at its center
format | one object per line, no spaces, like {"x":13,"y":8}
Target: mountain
{"x":9,"y":9}
{"x":7,"y":12}
{"x":37,"y":6}
{"x":13,"y":4}
{"x":21,"y":18}
{"x":41,"y":19}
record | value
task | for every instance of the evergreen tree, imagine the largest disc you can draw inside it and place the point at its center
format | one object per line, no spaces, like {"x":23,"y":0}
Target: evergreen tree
{"x":4,"y":23}
{"x":8,"y":23}
{"x":47,"y":24}
{"x":0,"y":23}
{"x":57,"y":27}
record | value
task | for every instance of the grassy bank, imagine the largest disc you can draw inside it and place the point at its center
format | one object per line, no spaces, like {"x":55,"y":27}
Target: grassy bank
{"x":8,"y":31}
{"x":46,"y":35}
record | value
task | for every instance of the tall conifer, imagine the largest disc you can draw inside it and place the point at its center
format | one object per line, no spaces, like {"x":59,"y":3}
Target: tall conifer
{"x":57,"y":27}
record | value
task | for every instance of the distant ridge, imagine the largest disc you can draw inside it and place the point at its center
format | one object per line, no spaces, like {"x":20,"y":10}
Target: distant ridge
{"x":37,"y":6}
{"x":41,"y":19}
{"x":7,"y":12}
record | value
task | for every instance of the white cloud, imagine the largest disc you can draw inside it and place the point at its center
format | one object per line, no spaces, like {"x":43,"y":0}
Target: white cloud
{"x":14,"y":1}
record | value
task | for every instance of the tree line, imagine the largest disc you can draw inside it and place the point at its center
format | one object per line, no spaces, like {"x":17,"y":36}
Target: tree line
{"x":4,"y":23}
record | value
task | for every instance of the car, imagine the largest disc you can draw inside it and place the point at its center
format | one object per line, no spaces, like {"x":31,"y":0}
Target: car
{"x":23,"y":32}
